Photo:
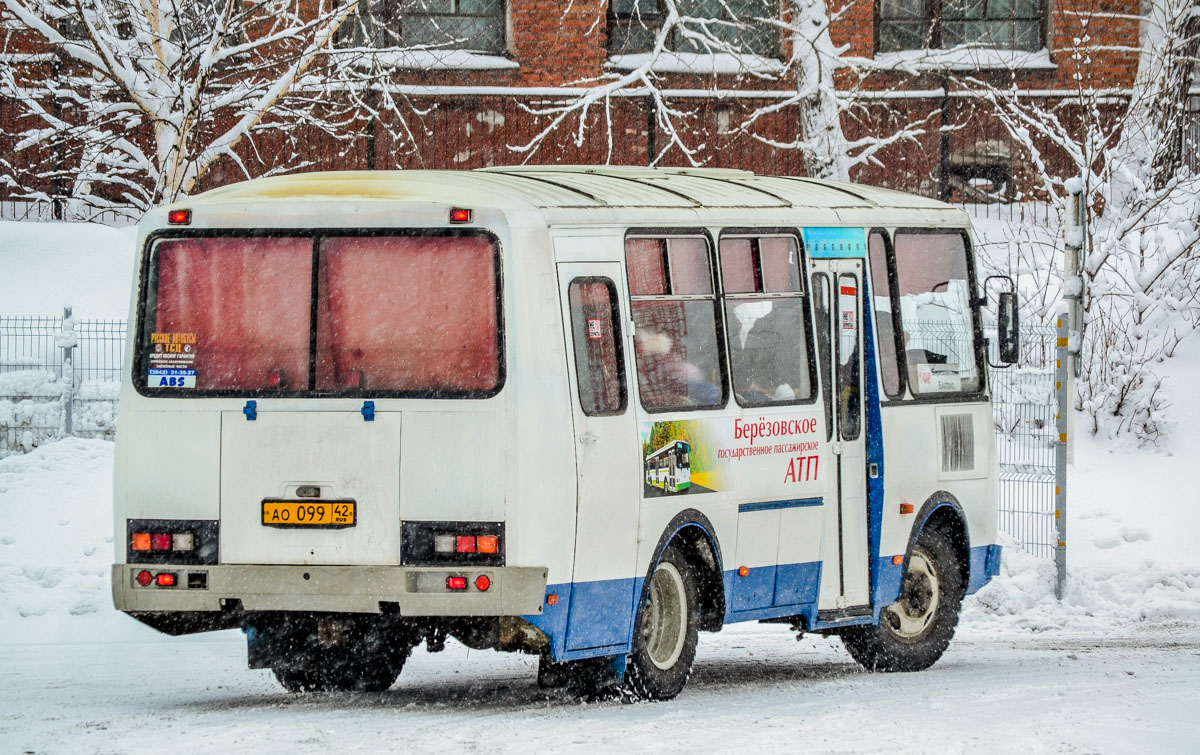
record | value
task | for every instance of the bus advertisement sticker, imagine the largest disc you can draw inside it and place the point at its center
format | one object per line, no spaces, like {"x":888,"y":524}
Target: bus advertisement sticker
{"x":171,"y":378}
{"x":679,"y":457}
{"x":173,"y":351}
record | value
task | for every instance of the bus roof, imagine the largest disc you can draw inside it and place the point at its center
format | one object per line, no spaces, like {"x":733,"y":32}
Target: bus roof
{"x":577,"y":186}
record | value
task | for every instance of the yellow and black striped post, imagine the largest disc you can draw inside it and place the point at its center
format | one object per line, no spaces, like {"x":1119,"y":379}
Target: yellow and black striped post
{"x":1061,"y":379}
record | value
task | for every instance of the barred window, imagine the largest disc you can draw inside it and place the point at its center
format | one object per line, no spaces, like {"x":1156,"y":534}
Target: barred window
{"x":633,"y":25}
{"x":473,"y":25}
{"x":937,"y":24}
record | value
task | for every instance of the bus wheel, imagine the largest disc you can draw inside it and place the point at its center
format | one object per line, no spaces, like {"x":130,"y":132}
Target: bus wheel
{"x":664,"y":639}
{"x":914,"y":631}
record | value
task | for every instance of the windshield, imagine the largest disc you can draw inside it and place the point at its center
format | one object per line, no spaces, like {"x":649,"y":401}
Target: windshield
{"x":382,"y":315}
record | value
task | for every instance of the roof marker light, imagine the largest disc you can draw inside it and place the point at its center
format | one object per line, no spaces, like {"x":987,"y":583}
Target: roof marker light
{"x":460,"y":215}
{"x":179,"y":217}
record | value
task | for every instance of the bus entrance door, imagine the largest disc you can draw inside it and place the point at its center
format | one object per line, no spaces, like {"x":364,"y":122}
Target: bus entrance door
{"x":837,"y":297}
{"x":608,"y":462}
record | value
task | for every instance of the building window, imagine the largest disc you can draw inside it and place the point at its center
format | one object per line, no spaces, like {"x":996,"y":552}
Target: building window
{"x":473,"y":25}
{"x":939,"y":24}
{"x":633,"y":25}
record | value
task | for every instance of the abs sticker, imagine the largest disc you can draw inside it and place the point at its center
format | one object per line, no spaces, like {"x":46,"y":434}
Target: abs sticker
{"x":172,"y":378}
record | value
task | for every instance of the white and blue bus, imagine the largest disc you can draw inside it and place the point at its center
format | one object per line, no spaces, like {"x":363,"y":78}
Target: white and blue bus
{"x":668,"y":468}
{"x":365,"y":411}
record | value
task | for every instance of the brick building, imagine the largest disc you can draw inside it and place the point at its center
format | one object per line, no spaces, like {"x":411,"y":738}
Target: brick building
{"x":474,"y":79}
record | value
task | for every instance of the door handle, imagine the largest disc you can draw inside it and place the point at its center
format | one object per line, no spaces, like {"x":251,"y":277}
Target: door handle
{"x":588,"y":439}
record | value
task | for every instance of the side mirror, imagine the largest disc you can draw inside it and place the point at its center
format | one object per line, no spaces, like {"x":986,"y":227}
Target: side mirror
{"x":1007,"y":328}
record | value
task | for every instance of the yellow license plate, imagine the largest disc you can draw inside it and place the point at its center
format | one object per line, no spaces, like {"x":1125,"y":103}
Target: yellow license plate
{"x":328,"y":514}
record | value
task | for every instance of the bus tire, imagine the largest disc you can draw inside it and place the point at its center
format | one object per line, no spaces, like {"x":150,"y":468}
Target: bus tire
{"x":665,"y":630}
{"x":914,"y":631}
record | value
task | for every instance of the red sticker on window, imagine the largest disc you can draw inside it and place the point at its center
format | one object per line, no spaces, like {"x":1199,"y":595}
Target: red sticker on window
{"x":593,"y":328}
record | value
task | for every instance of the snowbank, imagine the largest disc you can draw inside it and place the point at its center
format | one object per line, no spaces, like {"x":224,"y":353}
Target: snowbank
{"x":55,"y":539}
{"x":48,"y":265}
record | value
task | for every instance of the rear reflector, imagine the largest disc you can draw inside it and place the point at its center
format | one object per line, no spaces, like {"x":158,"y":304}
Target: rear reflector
{"x":165,"y":579}
{"x":140,"y":541}
{"x":456,"y":583}
{"x":144,"y":578}
{"x":482,"y":583}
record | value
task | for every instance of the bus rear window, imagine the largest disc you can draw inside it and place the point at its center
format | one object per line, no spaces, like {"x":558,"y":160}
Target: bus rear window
{"x":415,"y":313}
{"x":410,"y":315}
{"x":230,"y":314}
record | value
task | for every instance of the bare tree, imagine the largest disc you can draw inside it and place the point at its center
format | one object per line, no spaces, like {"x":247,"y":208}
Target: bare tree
{"x":1141,"y":274}
{"x":715,"y":45}
{"x":126,"y":103}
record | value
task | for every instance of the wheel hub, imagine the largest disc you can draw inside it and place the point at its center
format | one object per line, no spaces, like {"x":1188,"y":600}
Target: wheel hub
{"x":920,"y":591}
{"x":665,"y":627}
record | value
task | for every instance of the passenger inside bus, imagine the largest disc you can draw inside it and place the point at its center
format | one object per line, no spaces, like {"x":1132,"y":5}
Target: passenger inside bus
{"x":764,"y":361}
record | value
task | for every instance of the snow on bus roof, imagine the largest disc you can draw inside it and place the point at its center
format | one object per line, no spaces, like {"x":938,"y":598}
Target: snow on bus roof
{"x":575,"y":186}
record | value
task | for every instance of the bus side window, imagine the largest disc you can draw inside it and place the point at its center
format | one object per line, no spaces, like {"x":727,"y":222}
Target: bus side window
{"x":599,"y":361}
{"x":822,"y":305}
{"x":674,"y":315}
{"x":886,"y":325}
{"x":937,"y":313}
{"x":849,"y":372}
{"x":765,"y":314}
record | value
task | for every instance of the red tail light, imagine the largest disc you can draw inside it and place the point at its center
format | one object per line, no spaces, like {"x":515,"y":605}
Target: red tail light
{"x":456,"y":583}
{"x":465,"y":544}
{"x":160,"y":541}
{"x":165,"y":579}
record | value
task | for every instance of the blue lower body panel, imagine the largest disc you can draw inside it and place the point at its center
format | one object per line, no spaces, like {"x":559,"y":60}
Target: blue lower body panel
{"x":602,"y":619}
{"x":985,"y":564}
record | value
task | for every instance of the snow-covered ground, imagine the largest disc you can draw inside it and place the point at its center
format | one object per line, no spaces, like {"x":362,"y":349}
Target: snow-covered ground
{"x":1115,"y":667}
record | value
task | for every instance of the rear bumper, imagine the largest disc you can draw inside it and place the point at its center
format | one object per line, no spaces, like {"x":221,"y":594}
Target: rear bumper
{"x":413,"y":591}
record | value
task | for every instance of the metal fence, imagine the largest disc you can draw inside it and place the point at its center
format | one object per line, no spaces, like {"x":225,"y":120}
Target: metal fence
{"x":59,"y":376}
{"x":1024,"y":408}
